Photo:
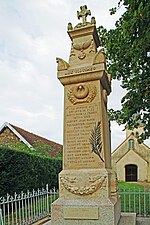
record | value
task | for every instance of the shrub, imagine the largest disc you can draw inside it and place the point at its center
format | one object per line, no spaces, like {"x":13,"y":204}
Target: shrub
{"x":26,"y":170}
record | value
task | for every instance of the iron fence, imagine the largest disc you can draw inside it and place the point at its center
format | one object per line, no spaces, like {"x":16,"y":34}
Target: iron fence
{"x":26,"y":208}
{"x":137,"y":201}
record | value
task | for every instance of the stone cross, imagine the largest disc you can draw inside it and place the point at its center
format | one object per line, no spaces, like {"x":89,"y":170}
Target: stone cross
{"x":83,"y":13}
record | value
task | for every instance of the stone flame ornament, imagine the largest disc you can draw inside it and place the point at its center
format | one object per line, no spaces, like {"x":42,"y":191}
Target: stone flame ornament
{"x":82,"y":93}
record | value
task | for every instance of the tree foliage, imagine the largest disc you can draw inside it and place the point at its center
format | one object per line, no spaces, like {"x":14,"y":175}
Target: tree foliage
{"x":126,"y":48}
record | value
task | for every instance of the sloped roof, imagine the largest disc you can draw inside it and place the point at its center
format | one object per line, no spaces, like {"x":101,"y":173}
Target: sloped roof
{"x":129,"y":137}
{"x":134,"y":153}
{"x":122,"y":143}
{"x":123,"y":149}
{"x":29,"y":138}
{"x":32,"y":138}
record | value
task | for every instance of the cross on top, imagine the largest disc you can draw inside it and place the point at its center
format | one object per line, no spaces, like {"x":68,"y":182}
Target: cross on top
{"x":83,"y":13}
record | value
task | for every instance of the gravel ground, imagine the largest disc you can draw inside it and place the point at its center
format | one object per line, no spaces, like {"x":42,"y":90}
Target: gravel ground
{"x":139,"y":221}
{"x":142,"y":221}
{"x":47,"y":223}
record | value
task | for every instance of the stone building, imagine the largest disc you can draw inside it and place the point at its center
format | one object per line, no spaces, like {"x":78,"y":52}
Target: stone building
{"x":131,"y":160}
{"x":12,"y":134}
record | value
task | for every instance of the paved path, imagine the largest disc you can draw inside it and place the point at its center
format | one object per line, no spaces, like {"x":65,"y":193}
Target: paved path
{"x":47,"y":223}
{"x":142,"y":221}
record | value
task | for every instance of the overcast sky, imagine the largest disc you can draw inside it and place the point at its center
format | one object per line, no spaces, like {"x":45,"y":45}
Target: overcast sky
{"x":32,"y":34}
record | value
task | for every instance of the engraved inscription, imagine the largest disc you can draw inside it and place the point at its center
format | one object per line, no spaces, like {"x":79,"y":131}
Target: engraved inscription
{"x":80,"y":70}
{"x":79,"y":122}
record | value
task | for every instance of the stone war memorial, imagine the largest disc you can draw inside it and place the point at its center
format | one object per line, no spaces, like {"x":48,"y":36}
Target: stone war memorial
{"x":88,"y":193}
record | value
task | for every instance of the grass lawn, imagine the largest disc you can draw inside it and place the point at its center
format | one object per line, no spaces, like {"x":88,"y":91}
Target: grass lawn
{"x":134,"y":198}
{"x":130,"y":186}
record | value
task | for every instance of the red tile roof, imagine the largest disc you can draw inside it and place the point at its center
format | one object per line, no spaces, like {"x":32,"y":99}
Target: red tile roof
{"x":33,"y":138}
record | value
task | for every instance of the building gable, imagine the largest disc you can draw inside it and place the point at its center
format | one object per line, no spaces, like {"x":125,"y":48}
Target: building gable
{"x":13,"y":132}
{"x":7,"y":136}
{"x":131,"y":157}
{"x":121,"y":150}
{"x":124,"y":147}
{"x":33,"y":138}
{"x":10,"y":133}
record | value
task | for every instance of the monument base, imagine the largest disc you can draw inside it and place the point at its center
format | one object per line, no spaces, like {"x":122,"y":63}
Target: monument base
{"x":127,"y":219}
{"x":85,"y":212}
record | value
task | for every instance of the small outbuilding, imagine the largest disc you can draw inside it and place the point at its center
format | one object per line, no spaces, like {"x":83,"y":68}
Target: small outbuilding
{"x":131,"y":160}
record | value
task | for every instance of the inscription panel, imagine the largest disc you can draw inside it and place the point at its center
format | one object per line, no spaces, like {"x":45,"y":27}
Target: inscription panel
{"x":89,"y":213}
{"x":81,"y":70}
{"x":79,"y":122}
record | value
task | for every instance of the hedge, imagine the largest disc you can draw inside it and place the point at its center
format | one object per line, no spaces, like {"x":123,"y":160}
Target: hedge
{"x":22,"y":171}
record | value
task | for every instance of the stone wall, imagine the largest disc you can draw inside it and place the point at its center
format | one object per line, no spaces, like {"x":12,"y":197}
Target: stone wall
{"x":132,"y":158}
{"x":7,"y":136}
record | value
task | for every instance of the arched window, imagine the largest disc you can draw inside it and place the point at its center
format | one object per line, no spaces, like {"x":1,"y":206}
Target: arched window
{"x":131,"y":144}
{"x":131,"y":172}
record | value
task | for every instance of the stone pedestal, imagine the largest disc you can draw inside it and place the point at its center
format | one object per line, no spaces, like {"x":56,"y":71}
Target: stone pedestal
{"x":85,"y":212}
{"x":88,"y":192}
{"x":85,"y":199}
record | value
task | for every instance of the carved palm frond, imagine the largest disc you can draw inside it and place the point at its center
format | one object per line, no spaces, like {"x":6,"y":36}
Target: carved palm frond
{"x":95,"y":140}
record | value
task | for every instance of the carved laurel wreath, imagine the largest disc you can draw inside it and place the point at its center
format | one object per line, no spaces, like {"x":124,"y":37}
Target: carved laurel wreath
{"x":82,"y":93}
{"x":96,"y":183}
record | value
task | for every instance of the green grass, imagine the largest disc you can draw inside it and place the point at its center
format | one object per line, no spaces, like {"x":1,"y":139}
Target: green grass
{"x":134,"y":198}
{"x":131,"y":186}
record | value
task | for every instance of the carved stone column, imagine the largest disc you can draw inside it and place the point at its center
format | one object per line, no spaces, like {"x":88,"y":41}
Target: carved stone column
{"x":87,"y":185}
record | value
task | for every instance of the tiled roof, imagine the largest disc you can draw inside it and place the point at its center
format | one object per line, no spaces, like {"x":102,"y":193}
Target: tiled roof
{"x":33,"y":138}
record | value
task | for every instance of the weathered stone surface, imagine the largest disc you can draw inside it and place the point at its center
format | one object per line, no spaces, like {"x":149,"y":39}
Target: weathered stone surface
{"x":142,"y":221}
{"x":108,"y":213}
{"x":7,"y":136}
{"x":86,"y":213}
{"x":127,"y":219}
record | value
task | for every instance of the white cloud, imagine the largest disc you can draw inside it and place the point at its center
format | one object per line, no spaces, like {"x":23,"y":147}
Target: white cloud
{"x":117,"y":135}
{"x":33,"y":34}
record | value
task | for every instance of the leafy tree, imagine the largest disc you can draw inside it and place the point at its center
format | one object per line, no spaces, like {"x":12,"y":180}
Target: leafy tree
{"x":127,"y":46}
